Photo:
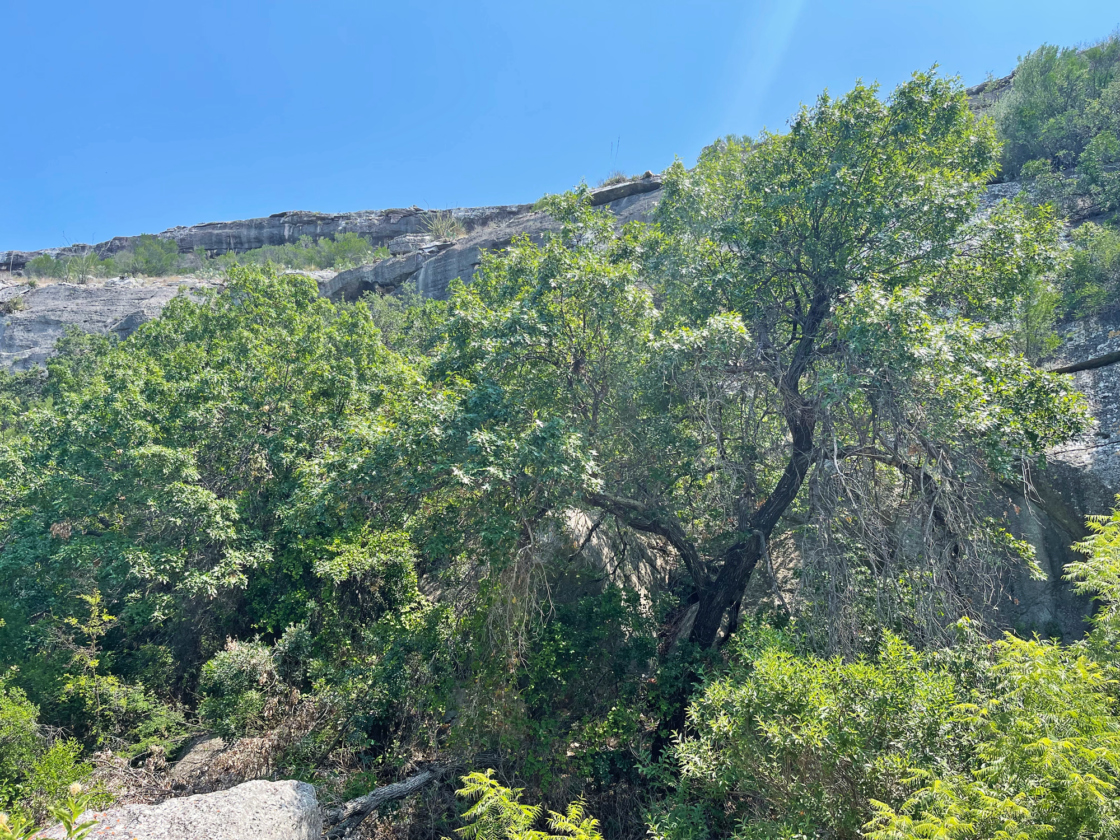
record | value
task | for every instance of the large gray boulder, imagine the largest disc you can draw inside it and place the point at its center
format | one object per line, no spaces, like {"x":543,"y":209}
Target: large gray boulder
{"x":253,"y":811}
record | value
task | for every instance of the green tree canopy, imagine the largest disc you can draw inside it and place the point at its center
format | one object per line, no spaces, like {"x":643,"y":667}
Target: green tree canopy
{"x":808,"y":341}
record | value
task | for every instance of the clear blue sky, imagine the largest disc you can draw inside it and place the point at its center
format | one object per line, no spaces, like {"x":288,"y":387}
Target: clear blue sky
{"x":122,"y":118}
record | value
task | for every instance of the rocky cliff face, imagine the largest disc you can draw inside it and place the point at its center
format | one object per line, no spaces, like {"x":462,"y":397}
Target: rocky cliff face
{"x":33,"y":319}
{"x":378,"y":226}
{"x":37,"y":317}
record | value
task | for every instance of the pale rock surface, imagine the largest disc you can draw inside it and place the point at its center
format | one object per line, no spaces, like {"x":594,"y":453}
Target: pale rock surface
{"x":252,"y":811}
{"x":378,"y":226}
{"x":28,"y":334}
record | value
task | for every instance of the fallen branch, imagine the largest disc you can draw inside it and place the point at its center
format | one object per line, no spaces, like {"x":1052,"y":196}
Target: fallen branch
{"x":340,"y":820}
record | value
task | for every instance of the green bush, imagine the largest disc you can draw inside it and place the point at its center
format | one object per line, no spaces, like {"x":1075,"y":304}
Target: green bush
{"x":152,"y":256}
{"x":43,"y":265}
{"x":76,"y":269}
{"x":798,"y":744}
{"x":236,"y":684}
{"x":1041,"y":751}
{"x":345,"y":250}
{"x":1061,"y":99}
{"x":19,"y":740}
{"x":1091,"y":281}
{"x":35,"y":773}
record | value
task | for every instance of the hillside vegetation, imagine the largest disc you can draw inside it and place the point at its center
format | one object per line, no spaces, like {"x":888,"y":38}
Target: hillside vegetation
{"x":686,"y":526}
{"x":152,"y":256}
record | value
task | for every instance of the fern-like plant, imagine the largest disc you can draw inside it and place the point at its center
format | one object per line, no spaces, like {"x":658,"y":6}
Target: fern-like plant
{"x":499,"y":814}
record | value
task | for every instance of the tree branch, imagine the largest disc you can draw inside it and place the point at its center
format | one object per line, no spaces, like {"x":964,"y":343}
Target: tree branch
{"x":649,"y":520}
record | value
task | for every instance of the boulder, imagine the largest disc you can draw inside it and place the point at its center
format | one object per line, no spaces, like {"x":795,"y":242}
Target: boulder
{"x":253,"y":811}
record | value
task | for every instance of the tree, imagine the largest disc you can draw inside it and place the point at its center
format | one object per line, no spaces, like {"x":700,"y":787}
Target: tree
{"x":814,"y":340}
{"x":158,"y":471}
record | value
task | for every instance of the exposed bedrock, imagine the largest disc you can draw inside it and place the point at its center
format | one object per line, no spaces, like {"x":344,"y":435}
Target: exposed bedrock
{"x":378,"y":226}
{"x":39,"y":316}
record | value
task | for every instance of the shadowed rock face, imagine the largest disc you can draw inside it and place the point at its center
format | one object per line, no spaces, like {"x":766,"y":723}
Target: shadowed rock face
{"x":1081,"y":478}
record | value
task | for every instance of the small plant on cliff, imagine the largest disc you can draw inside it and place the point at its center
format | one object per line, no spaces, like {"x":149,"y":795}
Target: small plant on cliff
{"x":616,"y":177}
{"x":442,"y":225}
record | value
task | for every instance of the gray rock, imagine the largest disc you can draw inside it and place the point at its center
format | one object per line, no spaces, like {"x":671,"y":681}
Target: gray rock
{"x":195,"y":761}
{"x":645,"y":184}
{"x":382,"y":276}
{"x":407,"y":243}
{"x":253,"y":811}
{"x":28,"y":336}
{"x":378,"y":226}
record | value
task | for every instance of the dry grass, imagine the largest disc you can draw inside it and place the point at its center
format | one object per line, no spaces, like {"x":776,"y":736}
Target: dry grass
{"x":616,"y":177}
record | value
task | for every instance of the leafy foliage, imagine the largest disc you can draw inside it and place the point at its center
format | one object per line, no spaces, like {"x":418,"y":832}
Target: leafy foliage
{"x":344,"y":250}
{"x":498,"y":814}
{"x":1092,"y":279}
{"x":1063,"y":99}
{"x":529,"y":520}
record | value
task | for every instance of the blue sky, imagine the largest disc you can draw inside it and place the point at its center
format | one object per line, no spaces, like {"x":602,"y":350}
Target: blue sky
{"x":124,"y":118}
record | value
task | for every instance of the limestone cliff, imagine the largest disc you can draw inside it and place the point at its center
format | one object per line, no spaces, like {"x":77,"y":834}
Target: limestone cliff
{"x":32,"y":319}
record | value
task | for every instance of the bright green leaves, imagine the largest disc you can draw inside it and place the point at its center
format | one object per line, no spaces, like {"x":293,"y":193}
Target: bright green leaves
{"x":1017,"y":739}
{"x":499,"y":814}
{"x":1099,"y":574}
{"x":857,"y":190}
{"x":1042,"y":748}
{"x":161,"y":469}
{"x":1061,"y":100}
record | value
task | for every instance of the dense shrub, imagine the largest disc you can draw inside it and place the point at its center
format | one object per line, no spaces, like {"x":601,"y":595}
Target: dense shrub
{"x":235,"y":686}
{"x":151,"y":256}
{"x":1091,"y":281}
{"x":77,"y":269}
{"x":794,"y":743}
{"x":35,"y":772}
{"x":1062,"y":98}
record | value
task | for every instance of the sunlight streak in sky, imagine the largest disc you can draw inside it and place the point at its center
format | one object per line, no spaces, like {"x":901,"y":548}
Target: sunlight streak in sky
{"x":767,"y":36}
